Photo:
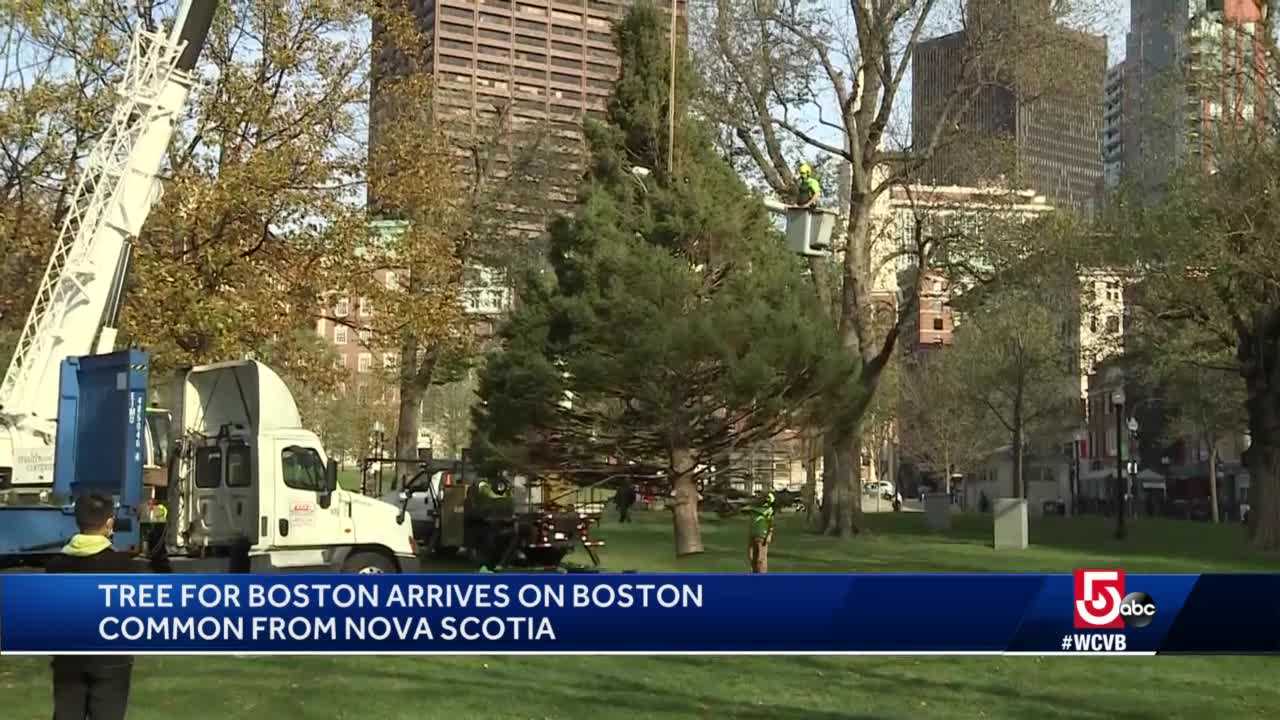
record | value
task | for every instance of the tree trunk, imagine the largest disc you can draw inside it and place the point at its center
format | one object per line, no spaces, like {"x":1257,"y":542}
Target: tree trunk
{"x":846,"y":497}
{"x":1213,"y":479}
{"x":407,"y":422}
{"x":684,"y":513}
{"x":946,"y":470}
{"x":1259,"y":355}
{"x":830,"y":477}
{"x":811,"y":516}
{"x":414,"y":381}
{"x":1019,"y":482}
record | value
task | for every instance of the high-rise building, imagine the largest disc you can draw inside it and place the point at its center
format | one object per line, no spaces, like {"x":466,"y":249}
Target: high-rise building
{"x":1195,"y":73}
{"x":1113,"y":127}
{"x":1021,"y":121}
{"x":538,"y":66}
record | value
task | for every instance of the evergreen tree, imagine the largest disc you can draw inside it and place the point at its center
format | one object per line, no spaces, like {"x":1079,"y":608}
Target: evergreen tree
{"x":675,"y":327}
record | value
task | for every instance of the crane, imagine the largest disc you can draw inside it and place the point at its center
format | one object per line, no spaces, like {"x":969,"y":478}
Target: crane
{"x":77,"y":304}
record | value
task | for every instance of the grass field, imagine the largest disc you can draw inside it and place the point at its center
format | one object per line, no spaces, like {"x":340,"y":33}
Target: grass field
{"x":755,"y":688}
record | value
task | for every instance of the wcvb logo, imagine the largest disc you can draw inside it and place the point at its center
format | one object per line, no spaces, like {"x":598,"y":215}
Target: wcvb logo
{"x":1098,"y":595}
{"x":1101,"y":602}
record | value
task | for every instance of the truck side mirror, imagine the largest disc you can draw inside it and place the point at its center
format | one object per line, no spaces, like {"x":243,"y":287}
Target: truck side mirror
{"x":331,"y":476}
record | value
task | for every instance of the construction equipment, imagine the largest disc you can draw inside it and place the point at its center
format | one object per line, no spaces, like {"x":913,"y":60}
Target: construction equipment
{"x":238,"y":483}
{"x":808,"y":230}
{"x":77,"y":304}
{"x":520,"y":525}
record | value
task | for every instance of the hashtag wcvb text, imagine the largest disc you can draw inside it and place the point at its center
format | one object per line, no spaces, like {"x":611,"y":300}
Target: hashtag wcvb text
{"x":1094,"y":642}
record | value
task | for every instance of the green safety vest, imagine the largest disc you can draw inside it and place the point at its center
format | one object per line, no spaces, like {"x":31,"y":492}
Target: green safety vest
{"x":809,"y":188}
{"x":761,"y":521}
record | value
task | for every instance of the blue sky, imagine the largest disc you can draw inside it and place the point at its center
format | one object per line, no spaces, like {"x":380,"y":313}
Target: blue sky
{"x":1117,"y":27}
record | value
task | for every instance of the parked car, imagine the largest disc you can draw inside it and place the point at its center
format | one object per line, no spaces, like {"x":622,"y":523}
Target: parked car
{"x":882,"y":487}
{"x":1054,"y":507}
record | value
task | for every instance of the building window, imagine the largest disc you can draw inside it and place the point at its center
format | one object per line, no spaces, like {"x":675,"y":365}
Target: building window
{"x":364,"y":307}
{"x":937,"y":323}
{"x":388,"y":360}
{"x":393,"y":282}
{"x":340,"y":335}
{"x":365,"y":362}
{"x":365,"y":335}
{"x":342,"y":308}
{"x":1113,"y":324}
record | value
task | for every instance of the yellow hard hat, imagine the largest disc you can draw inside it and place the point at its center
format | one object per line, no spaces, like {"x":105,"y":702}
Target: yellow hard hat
{"x":805,"y":169}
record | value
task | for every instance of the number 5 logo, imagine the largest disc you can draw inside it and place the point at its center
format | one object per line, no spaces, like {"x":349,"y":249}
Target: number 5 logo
{"x":1098,"y":594}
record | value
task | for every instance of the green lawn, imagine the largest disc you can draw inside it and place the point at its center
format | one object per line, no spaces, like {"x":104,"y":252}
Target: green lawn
{"x":760,"y":688}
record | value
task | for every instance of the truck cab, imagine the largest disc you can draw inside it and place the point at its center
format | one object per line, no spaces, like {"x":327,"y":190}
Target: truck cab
{"x":249,"y":483}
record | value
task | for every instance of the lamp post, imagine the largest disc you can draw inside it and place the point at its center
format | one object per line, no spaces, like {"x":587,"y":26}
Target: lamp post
{"x":1117,"y":399}
{"x":1080,"y":435}
{"x":1131,"y":489}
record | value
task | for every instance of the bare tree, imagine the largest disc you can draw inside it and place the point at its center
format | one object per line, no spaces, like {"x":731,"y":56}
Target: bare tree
{"x":848,"y":68}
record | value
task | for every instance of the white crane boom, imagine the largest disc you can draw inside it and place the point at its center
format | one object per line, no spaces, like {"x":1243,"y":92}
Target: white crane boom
{"x":77,"y":305}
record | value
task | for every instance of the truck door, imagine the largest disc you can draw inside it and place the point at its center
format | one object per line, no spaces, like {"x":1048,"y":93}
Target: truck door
{"x":300,"y":518}
{"x":226,"y":498}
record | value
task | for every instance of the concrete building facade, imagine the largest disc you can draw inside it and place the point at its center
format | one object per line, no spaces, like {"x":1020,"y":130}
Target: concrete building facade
{"x":541,"y":66}
{"x":1113,"y":127}
{"x":908,"y":215}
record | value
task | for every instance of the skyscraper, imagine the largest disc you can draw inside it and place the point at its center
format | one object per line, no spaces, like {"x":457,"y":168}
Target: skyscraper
{"x":1194,"y":74}
{"x":1024,"y":118}
{"x":1113,"y":113}
{"x":541,"y":66}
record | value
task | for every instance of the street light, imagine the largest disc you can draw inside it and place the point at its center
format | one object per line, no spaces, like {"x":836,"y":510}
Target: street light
{"x":1117,"y":399}
{"x":1079,"y":437}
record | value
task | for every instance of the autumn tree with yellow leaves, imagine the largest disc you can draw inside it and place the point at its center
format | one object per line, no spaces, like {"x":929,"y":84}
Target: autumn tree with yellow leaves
{"x":264,"y":214}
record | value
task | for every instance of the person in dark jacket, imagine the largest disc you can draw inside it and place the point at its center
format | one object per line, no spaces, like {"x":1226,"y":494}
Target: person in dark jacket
{"x":625,"y":498}
{"x":84,"y":686}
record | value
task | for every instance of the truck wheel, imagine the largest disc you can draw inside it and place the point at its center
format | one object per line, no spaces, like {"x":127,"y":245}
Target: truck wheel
{"x":368,"y":563}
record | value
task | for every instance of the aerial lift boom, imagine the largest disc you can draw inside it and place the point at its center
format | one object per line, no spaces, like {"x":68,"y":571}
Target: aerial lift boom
{"x":77,"y":305}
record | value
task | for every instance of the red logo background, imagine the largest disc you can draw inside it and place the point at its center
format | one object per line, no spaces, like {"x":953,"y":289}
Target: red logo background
{"x":1110,"y":590}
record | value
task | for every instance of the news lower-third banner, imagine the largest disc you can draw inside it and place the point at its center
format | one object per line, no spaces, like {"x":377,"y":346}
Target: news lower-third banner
{"x":1090,"y":611}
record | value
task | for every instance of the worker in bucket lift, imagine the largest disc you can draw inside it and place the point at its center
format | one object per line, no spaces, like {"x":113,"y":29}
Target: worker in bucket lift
{"x":96,"y":687}
{"x":760,"y":534}
{"x":810,"y":190}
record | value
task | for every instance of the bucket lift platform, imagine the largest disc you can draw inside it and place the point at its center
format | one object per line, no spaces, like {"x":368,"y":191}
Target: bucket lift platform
{"x":808,"y":230}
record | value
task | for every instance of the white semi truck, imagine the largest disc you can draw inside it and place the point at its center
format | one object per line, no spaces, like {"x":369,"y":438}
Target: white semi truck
{"x":231,"y":476}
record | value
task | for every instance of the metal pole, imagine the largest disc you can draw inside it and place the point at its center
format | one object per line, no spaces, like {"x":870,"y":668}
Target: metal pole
{"x":1120,"y":479}
{"x":671,"y":104}
{"x":1075,"y":478}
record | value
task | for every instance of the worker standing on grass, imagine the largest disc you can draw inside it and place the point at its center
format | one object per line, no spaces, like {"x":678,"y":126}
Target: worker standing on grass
{"x":625,"y":498}
{"x":87,"y":686}
{"x":810,"y":189}
{"x":760,"y":534}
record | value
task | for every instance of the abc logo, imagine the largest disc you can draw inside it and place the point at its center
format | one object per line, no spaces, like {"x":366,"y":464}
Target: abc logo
{"x":1137,"y":609}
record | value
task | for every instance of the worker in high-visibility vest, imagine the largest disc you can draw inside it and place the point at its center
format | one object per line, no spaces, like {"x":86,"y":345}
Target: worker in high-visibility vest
{"x":760,"y":534}
{"x":810,"y":189}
